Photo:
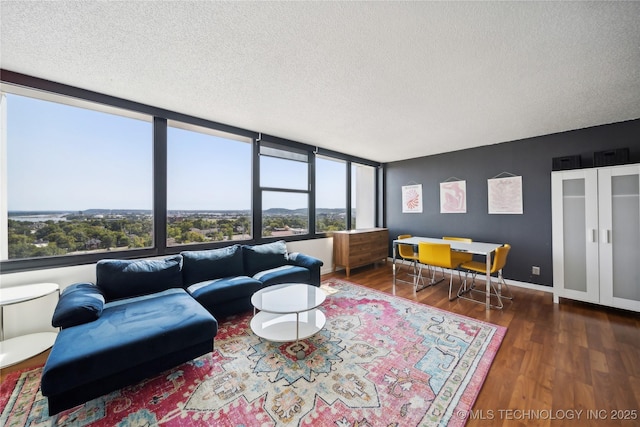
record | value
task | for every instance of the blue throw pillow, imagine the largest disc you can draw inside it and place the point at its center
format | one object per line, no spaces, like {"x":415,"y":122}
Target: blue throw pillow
{"x":79,"y":303}
{"x":212,"y":264}
{"x":119,"y":279}
{"x":264,"y":257}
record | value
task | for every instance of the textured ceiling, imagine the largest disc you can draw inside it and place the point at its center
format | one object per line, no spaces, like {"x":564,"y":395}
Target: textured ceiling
{"x":380,"y":80}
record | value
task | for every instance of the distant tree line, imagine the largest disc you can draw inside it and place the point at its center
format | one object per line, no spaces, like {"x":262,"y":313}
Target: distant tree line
{"x":37,"y":239}
{"x":193,"y":229}
{"x":79,"y":233}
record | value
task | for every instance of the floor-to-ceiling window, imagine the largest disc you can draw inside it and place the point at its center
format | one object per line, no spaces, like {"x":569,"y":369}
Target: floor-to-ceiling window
{"x":331,"y":194}
{"x":86,"y":176}
{"x":284,"y":189}
{"x":208,"y":185}
{"x":78,"y":177}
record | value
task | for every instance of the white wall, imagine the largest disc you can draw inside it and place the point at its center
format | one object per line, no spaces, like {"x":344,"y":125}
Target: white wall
{"x":35,"y":316}
{"x":365,"y":194}
{"x":319,"y":248}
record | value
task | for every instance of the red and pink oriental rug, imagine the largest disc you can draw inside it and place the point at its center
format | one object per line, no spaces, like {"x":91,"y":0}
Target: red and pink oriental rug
{"x":380,"y":361}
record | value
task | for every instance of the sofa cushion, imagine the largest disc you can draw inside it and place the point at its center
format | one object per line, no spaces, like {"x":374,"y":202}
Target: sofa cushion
{"x":211,"y":264}
{"x":264,"y":257}
{"x":212,"y":293}
{"x":284,"y":274}
{"x":78,"y":303}
{"x":129,"y":278}
{"x":129,"y":333}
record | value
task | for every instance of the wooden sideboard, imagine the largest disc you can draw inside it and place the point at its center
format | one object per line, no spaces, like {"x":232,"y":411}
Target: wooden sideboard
{"x":356,"y":248}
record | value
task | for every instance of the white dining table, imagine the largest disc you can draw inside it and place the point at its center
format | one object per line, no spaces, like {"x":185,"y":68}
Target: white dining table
{"x":477,"y":248}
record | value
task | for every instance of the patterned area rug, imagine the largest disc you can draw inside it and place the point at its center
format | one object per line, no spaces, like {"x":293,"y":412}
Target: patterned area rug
{"x":379,"y":361}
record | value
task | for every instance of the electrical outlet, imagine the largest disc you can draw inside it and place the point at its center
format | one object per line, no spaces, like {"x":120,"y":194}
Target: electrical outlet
{"x":535,"y":270}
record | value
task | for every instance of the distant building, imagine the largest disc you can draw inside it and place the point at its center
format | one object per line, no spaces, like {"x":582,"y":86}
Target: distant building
{"x":281,"y":232}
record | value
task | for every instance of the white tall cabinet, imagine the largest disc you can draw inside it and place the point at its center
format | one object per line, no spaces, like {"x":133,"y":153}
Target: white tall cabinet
{"x":596,"y":235}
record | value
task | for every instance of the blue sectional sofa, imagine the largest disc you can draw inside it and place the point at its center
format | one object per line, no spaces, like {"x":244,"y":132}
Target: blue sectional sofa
{"x":223,"y":280}
{"x":142,"y":317}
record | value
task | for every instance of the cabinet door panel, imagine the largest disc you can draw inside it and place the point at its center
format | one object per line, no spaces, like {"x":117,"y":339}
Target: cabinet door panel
{"x":575,"y":237}
{"x":619,"y":195}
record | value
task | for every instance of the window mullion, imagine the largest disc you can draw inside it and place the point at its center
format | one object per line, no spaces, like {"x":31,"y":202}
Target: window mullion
{"x":256,"y":192}
{"x":160,"y":184}
{"x":349,"y":207}
{"x":312,"y":195}
{"x":285,"y":190}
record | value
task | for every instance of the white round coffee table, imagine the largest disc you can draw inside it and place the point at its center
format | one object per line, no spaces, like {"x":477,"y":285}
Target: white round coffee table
{"x":288,"y":312}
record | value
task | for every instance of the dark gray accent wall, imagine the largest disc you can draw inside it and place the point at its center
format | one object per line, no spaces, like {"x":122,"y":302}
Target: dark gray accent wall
{"x":529,"y":234}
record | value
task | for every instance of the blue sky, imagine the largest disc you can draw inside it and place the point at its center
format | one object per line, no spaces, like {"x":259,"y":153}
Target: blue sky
{"x":61,"y":157}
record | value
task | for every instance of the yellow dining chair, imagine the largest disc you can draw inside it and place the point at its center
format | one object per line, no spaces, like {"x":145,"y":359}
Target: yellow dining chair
{"x":475,"y":267}
{"x":407,"y":254}
{"x":457,"y":255}
{"x":436,"y":255}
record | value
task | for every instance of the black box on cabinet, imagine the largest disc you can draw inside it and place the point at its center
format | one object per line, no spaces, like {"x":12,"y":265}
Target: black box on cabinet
{"x":567,"y":162}
{"x":618,"y":156}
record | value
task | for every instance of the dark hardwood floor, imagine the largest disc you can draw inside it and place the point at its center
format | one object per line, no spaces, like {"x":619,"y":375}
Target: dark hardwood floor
{"x":567,"y":364}
{"x":559,"y":364}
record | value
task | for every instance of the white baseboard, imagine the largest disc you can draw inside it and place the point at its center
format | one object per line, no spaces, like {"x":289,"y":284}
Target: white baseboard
{"x":527,"y":285}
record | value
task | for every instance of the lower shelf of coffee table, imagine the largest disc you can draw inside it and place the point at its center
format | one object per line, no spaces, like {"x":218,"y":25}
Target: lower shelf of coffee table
{"x":282,"y":327}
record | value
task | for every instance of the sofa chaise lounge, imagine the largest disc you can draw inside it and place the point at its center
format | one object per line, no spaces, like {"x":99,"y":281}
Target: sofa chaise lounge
{"x":142,"y":317}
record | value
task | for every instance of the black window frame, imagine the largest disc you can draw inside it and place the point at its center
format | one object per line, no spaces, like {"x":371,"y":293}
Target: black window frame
{"x":160,"y":122}
{"x":198,"y":245}
{"x":295,"y":148}
{"x":347,"y":166}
